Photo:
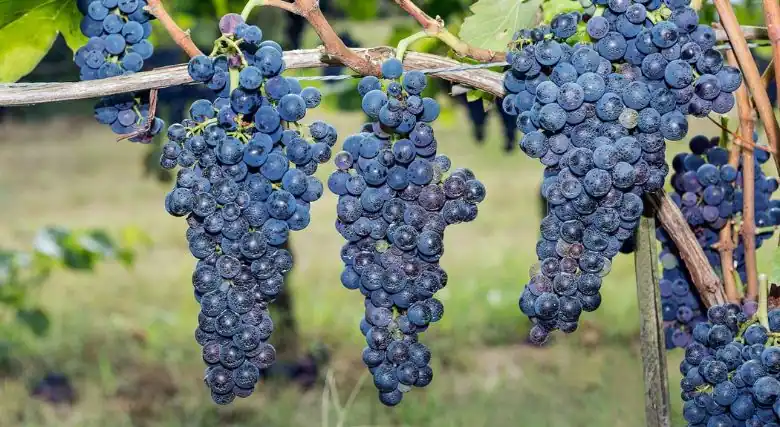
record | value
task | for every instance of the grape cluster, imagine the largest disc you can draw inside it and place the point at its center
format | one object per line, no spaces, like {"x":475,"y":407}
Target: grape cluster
{"x":708,"y":192}
{"x":597,"y":116}
{"x":394,"y":205}
{"x":245,"y":182}
{"x":118,"y":32}
{"x":704,"y":190}
{"x":731,"y":371}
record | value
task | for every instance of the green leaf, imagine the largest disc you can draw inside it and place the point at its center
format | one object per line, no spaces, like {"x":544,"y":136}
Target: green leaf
{"x":488,"y":101}
{"x":98,"y":241}
{"x":49,"y":241}
{"x":126,"y":257}
{"x":11,"y":10}
{"x":473,"y":95}
{"x":555,"y":7}
{"x":30,"y":32}
{"x":35,"y":319}
{"x":493,"y":22}
{"x":775,"y":277}
{"x":69,"y":24}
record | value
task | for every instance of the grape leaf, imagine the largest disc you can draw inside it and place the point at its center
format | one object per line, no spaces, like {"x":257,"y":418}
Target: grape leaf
{"x":30,"y":32}
{"x":556,"y":7}
{"x":11,"y":10}
{"x":69,"y":24}
{"x":493,"y":22}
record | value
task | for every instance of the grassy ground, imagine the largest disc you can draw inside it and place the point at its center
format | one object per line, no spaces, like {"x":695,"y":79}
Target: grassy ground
{"x":125,"y":336}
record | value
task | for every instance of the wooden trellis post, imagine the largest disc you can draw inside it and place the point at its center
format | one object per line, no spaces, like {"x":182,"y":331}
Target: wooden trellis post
{"x":652,"y":341}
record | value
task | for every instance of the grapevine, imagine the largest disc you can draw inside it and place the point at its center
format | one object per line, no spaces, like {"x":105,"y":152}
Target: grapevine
{"x":245,"y":182}
{"x":394,"y":206}
{"x":709,"y":192}
{"x":730,"y":369}
{"x":118,"y":44}
{"x":597,"y":116}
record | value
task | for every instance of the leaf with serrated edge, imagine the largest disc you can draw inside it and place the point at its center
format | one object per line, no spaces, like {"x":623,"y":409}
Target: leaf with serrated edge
{"x":27,"y":39}
{"x":493,"y":22}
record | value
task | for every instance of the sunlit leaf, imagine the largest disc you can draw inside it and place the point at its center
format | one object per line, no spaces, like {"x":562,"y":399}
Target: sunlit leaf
{"x":493,"y":22}
{"x":550,"y":8}
{"x":133,"y":237}
{"x":474,"y":95}
{"x":98,"y":241}
{"x":11,"y":10}
{"x":126,"y":257}
{"x":28,"y":36}
{"x":48,"y":241}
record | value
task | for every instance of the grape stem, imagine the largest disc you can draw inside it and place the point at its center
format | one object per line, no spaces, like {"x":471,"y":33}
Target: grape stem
{"x":751,"y":75}
{"x":281,"y":4}
{"x":748,"y":228}
{"x":404,"y":44}
{"x":180,"y":37}
{"x":763,"y":301}
{"x":234,"y":75}
{"x":738,"y":140}
{"x":143,"y":131}
{"x":434,"y":27}
{"x":196,"y":130}
{"x":236,"y":49}
{"x":334,"y":46}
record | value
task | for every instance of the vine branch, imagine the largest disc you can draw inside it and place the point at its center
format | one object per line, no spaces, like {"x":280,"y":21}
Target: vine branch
{"x":333,"y":45}
{"x":18,"y":94}
{"x":704,"y":278}
{"x":748,"y":228}
{"x":434,"y":27}
{"x":180,"y":37}
{"x":751,"y":75}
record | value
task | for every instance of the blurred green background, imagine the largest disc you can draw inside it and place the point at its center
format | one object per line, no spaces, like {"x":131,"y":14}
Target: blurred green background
{"x":122,"y":330}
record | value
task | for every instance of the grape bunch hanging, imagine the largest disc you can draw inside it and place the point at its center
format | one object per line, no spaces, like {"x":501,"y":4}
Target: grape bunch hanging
{"x":118,"y":32}
{"x":395,"y":203}
{"x":708,"y":191}
{"x":731,"y":370}
{"x":597,"y":116}
{"x":245,"y":182}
